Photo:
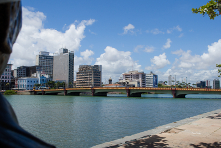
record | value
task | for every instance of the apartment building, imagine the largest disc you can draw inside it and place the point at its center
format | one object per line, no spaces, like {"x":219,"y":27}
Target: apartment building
{"x":26,"y":71}
{"x":89,"y":76}
{"x":216,"y":84}
{"x":45,"y":60}
{"x":135,"y":78}
{"x":63,"y":67}
{"x":151,"y":80}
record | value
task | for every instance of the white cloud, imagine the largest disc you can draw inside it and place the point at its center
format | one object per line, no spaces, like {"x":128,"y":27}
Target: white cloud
{"x":127,"y":28}
{"x":196,"y":67}
{"x":178,"y":52}
{"x":149,"y":49}
{"x":34,"y":38}
{"x":169,"y":31}
{"x":167,"y":45}
{"x":92,"y":32}
{"x":178,"y":28}
{"x":174,"y":28}
{"x":87,"y":53}
{"x":115,"y":62}
{"x":136,"y":49}
{"x":146,"y":49}
{"x":158,"y":62}
{"x":156,"y":31}
{"x":181,"y":35}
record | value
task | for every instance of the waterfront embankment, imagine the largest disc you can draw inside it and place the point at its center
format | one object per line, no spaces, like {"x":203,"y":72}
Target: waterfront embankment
{"x":199,"y":131}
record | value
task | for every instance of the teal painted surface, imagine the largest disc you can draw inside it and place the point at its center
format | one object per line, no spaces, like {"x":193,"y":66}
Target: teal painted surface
{"x":84,"y":121}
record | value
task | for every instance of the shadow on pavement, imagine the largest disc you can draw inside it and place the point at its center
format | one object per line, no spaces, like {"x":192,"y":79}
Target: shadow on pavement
{"x":207,"y":145}
{"x":215,"y":117}
{"x":152,"y":142}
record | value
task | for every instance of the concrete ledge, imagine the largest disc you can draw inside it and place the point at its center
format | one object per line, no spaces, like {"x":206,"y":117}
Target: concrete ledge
{"x":156,"y":130}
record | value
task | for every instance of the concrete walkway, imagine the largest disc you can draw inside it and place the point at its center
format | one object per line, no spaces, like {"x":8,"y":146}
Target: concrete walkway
{"x":195,"y":132}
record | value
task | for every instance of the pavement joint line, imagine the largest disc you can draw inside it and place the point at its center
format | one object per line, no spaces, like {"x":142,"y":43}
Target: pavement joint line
{"x":156,"y":130}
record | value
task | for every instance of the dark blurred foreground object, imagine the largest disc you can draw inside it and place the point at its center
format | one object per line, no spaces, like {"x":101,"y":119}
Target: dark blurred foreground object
{"x":11,"y":134}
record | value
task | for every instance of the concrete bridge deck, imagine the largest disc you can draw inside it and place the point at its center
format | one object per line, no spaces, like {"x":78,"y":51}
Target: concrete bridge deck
{"x":130,"y":91}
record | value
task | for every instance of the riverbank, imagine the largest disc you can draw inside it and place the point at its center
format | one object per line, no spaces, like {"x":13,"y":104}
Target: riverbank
{"x":199,"y":131}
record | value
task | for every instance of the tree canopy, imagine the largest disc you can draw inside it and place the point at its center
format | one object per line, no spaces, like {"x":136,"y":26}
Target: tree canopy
{"x":212,"y":9}
{"x":219,"y":70}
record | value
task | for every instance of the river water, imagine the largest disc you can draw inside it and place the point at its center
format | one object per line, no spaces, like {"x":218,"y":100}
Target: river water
{"x":85,"y":121}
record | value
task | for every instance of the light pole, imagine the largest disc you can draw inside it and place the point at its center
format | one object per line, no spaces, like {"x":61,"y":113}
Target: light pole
{"x":175,"y":81}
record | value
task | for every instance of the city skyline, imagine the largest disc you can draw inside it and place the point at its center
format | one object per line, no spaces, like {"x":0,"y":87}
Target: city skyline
{"x":166,"y":37}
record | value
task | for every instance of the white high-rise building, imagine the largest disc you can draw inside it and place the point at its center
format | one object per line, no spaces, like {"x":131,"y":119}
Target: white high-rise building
{"x":63,"y":67}
{"x":169,"y":80}
{"x":151,"y":80}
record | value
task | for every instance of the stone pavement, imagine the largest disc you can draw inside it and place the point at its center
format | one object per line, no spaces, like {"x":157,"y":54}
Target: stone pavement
{"x":203,"y":131}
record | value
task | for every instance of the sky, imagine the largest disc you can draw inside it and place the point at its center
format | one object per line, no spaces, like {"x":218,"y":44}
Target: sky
{"x":164,"y":37}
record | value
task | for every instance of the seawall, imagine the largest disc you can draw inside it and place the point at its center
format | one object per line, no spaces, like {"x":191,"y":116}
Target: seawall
{"x":155,"y":131}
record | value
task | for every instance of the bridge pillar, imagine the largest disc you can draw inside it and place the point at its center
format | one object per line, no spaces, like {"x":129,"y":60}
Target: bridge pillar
{"x":43,"y":92}
{"x":133,"y":94}
{"x":178,"y":96}
{"x":128,"y":92}
{"x":65,"y":92}
{"x":92,"y":92}
{"x":174,"y":93}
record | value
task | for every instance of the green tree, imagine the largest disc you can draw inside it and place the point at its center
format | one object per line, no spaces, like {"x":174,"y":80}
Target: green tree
{"x":51,"y":84}
{"x":160,"y":85}
{"x":37,"y":85}
{"x":212,"y":9}
{"x":219,"y":70}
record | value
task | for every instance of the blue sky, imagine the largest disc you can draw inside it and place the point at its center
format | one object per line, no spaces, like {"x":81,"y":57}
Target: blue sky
{"x":160,"y":36}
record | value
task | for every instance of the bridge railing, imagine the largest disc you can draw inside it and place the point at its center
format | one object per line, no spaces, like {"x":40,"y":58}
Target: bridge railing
{"x":131,"y":88}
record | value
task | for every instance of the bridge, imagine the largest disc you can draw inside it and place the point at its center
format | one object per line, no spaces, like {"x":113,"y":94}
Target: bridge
{"x":130,"y":91}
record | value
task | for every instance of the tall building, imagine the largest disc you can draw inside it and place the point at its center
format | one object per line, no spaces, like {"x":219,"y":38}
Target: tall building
{"x":138,"y":79}
{"x":216,"y":84}
{"x":110,"y":80}
{"x":207,"y":82}
{"x":201,"y":84}
{"x":151,"y":80}
{"x":6,"y":75}
{"x":26,"y":71}
{"x":63,"y":67}
{"x":169,"y":80}
{"x":46,"y":62}
{"x":89,"y":76}
{"x":5,"y":79}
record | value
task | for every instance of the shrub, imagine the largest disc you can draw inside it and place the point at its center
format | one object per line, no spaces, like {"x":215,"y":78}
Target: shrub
{"x":9,"y":92}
